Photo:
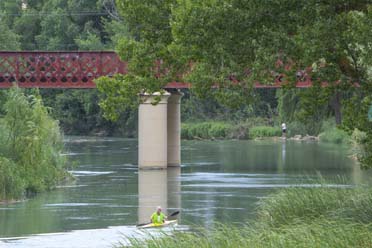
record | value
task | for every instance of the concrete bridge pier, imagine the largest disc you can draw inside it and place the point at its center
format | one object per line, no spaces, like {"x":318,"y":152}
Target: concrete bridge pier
{"x":174,"y":129}
{"x":153,"y":132}
{"x":159,"y":130}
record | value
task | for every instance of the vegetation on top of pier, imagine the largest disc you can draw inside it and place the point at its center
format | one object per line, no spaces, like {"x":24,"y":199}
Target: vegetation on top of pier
{"x":30,"y":147}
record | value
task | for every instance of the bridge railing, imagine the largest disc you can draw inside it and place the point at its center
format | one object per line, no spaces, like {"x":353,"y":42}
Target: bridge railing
{"x":57,"y":69}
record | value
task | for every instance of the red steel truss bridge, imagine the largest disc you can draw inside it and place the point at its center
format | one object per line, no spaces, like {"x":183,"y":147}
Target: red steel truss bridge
{"x":39,"y":69}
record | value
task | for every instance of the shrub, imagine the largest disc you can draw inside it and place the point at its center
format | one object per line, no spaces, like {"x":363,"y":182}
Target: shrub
{"x":296,"y":128}
{"x":335,"y":135}
{"x":264,"y":131}
{"x":11,"y":184}
{"x":358,"y":136}
{"x":205,"y":130}
{"x":31,"y":144}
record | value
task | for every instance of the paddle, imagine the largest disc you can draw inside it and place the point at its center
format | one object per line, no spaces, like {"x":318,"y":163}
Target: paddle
{"x":171,"y":215}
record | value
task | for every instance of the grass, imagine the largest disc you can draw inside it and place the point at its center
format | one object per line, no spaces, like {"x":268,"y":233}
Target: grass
{"x":319,"y":216}
{"x":307,"y":204}
{"x":322,"y":233}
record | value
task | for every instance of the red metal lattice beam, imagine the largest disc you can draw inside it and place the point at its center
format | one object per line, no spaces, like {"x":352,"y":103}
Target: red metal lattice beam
{"x":71,"y":70}
{"x":57,"y":69}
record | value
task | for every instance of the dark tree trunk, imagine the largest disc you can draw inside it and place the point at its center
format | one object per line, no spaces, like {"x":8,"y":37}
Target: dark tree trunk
{"x":336,"y":105}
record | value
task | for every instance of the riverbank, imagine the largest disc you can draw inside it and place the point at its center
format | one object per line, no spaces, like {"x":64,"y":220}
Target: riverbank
{"x":225,"y":130}
{"x":319,"y":216}
{"x":7,"y":202}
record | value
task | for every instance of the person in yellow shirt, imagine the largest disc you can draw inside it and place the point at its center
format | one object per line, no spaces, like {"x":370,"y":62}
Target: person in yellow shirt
{"x":158,"y":217}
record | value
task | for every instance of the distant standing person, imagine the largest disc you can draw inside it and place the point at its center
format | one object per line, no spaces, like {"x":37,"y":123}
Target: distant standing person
{"x":284,"y":130}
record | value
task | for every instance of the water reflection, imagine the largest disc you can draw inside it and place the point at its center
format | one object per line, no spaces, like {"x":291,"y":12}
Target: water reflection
{"x":281,"y":159}
{"x":158,"y":188}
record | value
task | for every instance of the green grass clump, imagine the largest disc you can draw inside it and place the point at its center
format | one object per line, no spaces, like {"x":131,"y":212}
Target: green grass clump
{"x":205,"y":130}
{"x":335,"y":135}
{"x":319,"y":216}
{"x":320,"y":233}
{"x":306,"y":204}
{"x":264,"y":131}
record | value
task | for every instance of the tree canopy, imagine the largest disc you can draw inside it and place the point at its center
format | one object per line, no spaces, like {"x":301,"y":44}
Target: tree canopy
{"x":61,"y":24}
{"x":232,"y":44}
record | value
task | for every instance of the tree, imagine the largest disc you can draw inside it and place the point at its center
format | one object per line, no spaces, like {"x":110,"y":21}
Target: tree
{"x":146,"y":49}
{"x":8,"y":39}
{"x":28,"y":26}
{"x":232,"y":44}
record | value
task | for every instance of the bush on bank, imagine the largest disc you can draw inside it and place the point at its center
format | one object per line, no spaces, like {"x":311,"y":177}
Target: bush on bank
{"x":295,"y":217}
{"x":335,"y":135}
{"x":206,"y":130}
{"x":264,"y":131}
{"x":30,"y":147}
{"x":223,"y":130}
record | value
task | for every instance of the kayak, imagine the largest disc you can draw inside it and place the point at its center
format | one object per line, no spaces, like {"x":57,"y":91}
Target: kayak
{"x":166,"y":223}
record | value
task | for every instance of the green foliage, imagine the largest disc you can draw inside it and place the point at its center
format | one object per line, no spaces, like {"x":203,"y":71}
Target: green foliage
{"x":307,"y":204}
{"x":31,"y":144}
{"x":11,"y":184}
{"x":8,"y":39}
{"x":264,"y":131}
{"x":27,"y":26}
{"x":78,"y":113}
{"x":58,"y":25}
{"x":288,"y":102}
{"x":205,"y":130}
{"x":115,"y":30}
{"x":320,"y":216}
{"x":304,"y":109}
{"x":296,"y":128}
{"x":164,"y":41}
{"x":361,"y":146}
{"x":356,"y":117}
{"x":335,"y":135}
{"x":358,"y":136}
{"x":252,"y":41}
{"x":333,"y":234}
{"x":92,"y":42}
{"x":222,"y":130}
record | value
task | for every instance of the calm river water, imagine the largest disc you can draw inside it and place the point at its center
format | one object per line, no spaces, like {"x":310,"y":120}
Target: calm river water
{"x":218,"y":181}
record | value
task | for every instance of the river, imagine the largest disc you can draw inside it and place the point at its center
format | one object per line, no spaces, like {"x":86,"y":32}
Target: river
{"x":218,"y":181}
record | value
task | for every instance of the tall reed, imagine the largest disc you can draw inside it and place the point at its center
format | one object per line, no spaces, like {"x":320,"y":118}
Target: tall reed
{"x":320,"y":216}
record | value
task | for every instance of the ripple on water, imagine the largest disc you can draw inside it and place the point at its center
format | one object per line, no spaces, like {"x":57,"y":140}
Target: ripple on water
{"x":71,"y":186}
{"x":74,"y":153}
{"x":103,"y":238}
{"x":259,"y":186}
{"x":72,"y":204}
{"x":91,"y":173}
{"x":79,"y":218}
